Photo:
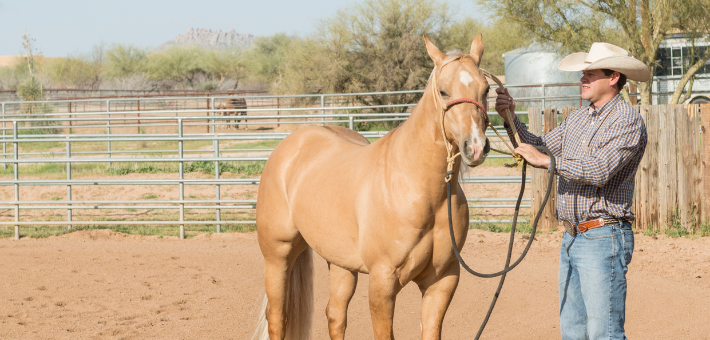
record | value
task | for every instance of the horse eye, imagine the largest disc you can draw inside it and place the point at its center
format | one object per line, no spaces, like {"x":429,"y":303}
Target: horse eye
{"x":443,"y":93}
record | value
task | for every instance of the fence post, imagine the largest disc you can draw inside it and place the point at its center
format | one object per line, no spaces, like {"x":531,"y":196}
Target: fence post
{"x":543,"y":96}
{"x":212,"y":113}
{"x":16,"y":177}
{"x":668,"y":171}
{"x":543,"y":122}
{"x":108,"y":127}
{"x":69,"y":211}
{"x":218,"y":212}
{"x":322,"y":110}
{"x":278,"y":112}
{"x":181,"y":183}
{"x":351,"y":122}
{"x":705,"y":131}
{"x":139,"y":116}
{"x":689,"y":166}
{"x":4,"y":145}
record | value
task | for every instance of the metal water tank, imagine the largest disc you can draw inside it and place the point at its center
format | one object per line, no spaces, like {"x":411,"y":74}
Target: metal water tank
{"x":528,"y":68}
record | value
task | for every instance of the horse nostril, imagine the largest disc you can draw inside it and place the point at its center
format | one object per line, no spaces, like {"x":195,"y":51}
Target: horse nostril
{"x":487,"y":147}
{"x":465,"y":146}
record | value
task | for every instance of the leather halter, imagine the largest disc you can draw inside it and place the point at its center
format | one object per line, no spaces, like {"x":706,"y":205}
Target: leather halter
{"x":467,"y":100}
{"x":451,"y":157}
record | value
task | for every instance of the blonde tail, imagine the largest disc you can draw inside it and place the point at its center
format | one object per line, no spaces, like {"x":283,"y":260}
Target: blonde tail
{"x":299,"y":302}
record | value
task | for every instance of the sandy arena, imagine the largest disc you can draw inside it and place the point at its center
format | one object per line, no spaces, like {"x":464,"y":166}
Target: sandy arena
{"x":104,"y":285}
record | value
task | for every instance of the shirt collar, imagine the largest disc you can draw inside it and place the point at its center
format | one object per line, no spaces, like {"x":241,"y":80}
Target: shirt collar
{"x":607,"y":106}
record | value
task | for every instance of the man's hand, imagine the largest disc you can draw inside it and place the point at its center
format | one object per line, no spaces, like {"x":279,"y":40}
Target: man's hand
{"x":504,"y":101}
{"x":534,"y":157}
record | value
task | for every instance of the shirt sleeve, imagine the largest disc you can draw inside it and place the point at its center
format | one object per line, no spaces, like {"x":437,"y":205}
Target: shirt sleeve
{"x":552,"y":140}
{"x":620,"y":143}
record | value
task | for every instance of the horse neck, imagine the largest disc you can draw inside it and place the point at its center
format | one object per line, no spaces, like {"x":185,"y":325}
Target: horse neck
{"x":419,"y":143}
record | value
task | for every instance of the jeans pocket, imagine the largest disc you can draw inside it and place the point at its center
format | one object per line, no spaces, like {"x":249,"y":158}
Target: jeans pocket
{"x":627,"y":238}
{"x":598,"y":233}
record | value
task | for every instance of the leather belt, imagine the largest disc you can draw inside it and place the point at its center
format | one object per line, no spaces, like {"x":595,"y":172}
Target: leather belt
{"x":587,"y":225}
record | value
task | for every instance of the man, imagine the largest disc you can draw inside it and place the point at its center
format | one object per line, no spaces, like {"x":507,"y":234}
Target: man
{"x":597,"y":150}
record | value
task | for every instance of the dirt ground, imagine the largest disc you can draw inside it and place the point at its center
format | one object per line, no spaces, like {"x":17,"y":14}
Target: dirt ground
{"x":100,"y":284}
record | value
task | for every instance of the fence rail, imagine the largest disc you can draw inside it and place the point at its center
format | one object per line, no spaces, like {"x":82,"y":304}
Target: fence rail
{"x":110,"y":131}
{"x":72,"y":139}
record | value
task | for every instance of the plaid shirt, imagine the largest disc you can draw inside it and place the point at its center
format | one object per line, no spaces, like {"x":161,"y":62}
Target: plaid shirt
{"x":597,"y":153}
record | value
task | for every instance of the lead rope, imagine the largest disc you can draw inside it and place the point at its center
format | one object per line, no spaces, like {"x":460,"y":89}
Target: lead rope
{"x":515,"y":139}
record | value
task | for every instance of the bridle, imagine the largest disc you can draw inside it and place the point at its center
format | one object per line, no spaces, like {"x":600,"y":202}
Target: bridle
{"x":451,"y":156}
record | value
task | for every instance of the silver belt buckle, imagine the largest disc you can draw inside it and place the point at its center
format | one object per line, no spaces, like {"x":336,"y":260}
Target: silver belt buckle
{"x":569,"y":227}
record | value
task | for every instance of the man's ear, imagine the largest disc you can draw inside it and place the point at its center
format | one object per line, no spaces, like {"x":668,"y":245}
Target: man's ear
{"x":434,"y":52}
{"x":614,"y":78}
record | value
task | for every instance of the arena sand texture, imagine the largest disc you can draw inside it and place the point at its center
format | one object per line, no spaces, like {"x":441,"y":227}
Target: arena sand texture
{"x":101,"y":284}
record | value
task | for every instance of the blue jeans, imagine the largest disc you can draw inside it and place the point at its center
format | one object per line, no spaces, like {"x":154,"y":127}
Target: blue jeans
{"x":592,"y":281}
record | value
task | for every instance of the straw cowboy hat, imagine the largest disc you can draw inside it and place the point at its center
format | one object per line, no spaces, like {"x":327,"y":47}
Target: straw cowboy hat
{"x":606,"y":56}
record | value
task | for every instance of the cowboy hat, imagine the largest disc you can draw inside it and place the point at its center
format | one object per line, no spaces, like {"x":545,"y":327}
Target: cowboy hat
{"x":606,"y":56}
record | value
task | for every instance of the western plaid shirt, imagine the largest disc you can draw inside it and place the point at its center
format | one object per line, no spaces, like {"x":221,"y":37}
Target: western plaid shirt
{"x":597,"y":153}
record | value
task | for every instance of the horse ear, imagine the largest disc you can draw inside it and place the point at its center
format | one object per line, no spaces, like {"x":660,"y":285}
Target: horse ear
{"x":434,"y":52}
{"x":477,"y":49}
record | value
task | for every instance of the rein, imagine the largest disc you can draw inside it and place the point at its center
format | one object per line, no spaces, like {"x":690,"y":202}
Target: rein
{"x":451,"y":157}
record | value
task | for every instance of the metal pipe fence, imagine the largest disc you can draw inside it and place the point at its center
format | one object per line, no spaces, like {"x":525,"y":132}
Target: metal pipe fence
{"x":75,"y":139}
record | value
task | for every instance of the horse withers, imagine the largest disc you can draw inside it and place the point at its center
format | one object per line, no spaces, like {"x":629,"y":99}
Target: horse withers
{"x":378,"y":209}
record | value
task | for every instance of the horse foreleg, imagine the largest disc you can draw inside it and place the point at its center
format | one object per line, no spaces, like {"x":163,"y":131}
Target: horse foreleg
{"x":436,"y":297}
{"x":342,"y":288}
{"x":384,"y":286}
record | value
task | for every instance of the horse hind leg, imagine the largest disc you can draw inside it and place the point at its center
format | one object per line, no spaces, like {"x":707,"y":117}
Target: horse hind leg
{"x":289,"y":292}
{"x":342,"y":289}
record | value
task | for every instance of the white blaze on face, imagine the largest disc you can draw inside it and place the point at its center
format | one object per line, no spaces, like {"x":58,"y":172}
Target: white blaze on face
{"x":465,"y":78}
{"x":474,"y":133}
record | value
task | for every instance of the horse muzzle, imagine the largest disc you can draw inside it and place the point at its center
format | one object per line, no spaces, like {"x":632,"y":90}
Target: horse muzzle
{"x":474,"y":154}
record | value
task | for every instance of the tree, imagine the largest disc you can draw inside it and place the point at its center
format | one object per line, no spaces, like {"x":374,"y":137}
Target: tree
{"x":265,"y":59}
{"x":377,"y":46}
{"x":176,"y":63}
{"x":79,"y":71}
{"x":371,"y":46}
{"x":125,"y":60}
{"x":637,"y":25}
{"x":224,"y":63}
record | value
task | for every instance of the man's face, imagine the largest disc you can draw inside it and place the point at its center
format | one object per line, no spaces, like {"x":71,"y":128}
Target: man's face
{"x":596,"y":86}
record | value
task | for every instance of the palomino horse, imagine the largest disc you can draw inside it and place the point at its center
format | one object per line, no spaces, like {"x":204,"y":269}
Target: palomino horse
{"x":378,"y":209}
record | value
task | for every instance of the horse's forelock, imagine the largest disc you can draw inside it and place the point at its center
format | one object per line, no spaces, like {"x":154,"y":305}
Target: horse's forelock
{"x":450,"y":57}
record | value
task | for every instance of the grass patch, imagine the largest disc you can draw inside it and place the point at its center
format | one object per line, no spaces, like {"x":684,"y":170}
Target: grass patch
{"x":244,"y":168}
{"x":146,"y":230}
{"x":520,"y":228}
{"x":262,"y":144}
{"x":675,"y":227}
{"x":704,"y":229}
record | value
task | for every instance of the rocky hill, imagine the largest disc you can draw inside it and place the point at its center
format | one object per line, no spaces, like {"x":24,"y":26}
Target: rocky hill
{"x":209,"y":38}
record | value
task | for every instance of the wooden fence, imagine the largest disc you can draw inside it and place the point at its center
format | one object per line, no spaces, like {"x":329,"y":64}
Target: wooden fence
{"x":673,"y":180}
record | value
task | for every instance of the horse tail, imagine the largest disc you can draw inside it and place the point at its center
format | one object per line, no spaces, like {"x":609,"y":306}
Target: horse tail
{"x":299,"y":302}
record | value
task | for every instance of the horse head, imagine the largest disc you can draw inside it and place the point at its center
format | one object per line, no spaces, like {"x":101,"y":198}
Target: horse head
{"x":460,"y":89}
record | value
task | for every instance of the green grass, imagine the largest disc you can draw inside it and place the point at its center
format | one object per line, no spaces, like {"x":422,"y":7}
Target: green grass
{"x":41,"y":231}
{"x":704,"y":229}
{"x":521,"y":227}
{"x":244,"y":168}
{"x":675,"y":227}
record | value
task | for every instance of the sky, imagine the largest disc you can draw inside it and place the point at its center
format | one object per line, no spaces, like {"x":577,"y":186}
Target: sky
{"x":72,"y":27}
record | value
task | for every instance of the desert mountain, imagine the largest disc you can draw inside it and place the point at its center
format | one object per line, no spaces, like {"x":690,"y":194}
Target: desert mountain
{"x":209,"y":38}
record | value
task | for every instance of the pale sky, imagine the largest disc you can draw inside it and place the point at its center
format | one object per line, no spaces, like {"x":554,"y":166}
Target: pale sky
{"x":70,"y":27}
